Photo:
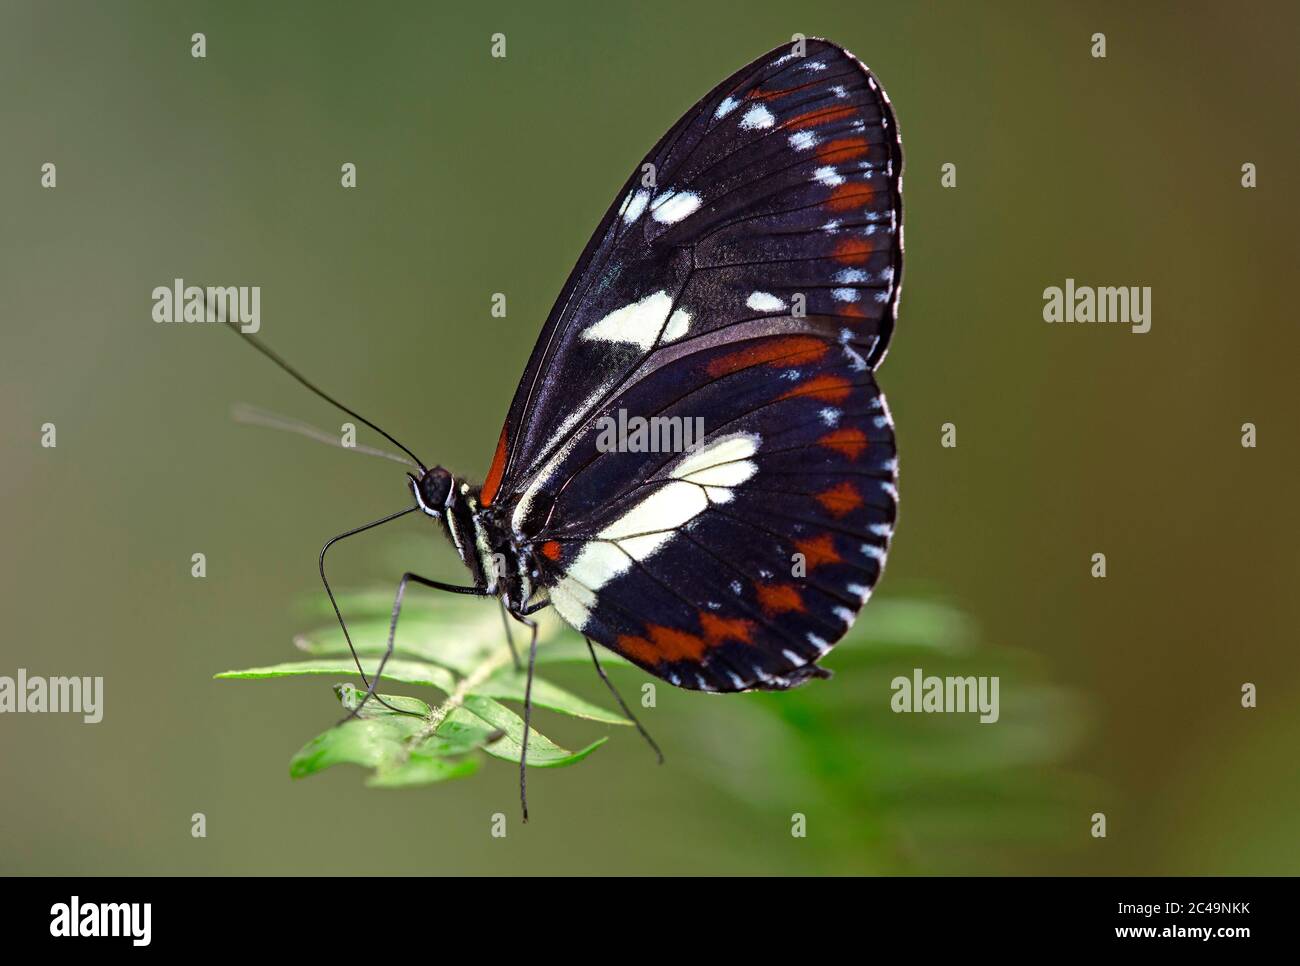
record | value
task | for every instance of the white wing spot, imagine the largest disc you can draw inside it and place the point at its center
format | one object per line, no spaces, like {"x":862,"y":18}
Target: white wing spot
{"x":638,"y":323}
{"x":756,"y":118}
{"x":635,"y":206}
{"x":862,"y":592}
{"x":674,"y":206}
{"x":722,"y":464}
{"x":828,"y":176}
{"x":803,"y":140}
{"x":573,"y":602}
{"x":679,"y":324}
{"x":645,"y":527}
{"x":728,"y":105}
{"x":764,"y":302}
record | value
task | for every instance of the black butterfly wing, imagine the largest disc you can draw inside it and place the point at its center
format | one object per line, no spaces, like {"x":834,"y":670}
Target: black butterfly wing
{"x":753,"y":285}
{"x":795,"y":165}
{"x":741,"y":562}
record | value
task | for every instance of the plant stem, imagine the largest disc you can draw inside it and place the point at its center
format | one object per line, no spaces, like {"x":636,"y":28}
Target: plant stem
{"x":491,"y":664}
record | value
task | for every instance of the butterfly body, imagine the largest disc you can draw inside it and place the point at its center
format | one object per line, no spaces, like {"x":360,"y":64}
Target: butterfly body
{"x":499,"y":563}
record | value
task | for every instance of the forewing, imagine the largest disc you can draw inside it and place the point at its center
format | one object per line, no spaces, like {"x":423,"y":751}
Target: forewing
{"x":772,"y":207}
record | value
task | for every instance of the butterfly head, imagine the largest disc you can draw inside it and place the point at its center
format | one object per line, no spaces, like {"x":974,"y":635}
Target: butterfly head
{"x":432,"y":489}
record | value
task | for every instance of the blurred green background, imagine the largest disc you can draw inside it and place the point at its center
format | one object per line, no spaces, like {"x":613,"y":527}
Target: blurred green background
{"x":479,"y":175}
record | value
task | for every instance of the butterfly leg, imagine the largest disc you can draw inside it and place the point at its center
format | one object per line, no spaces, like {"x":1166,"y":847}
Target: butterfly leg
{"x":505,"y":621}
{"x":621,"y":703}
{"x":528,"y":711}
{"x":392,"y":631}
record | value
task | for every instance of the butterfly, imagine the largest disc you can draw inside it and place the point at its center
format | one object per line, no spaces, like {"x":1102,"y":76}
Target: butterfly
{"x":744,"y":281}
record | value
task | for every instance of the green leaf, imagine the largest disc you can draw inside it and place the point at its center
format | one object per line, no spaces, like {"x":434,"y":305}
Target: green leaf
{"x":351,"y":697}
{"x":461,"y":650}
{"x":453,"y":645}
{"x":508,"y":685}
{"x":375,"y":739}
{"x":542,"y":752}
{"x":396,"y":748}
{"x":389,"y":743}
{"x":397,"y":669}
{"x":423,"y":769}
{"x":459,"y":640}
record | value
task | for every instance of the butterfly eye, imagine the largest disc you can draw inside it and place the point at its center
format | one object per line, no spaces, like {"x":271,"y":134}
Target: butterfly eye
{"x":434,"y":487}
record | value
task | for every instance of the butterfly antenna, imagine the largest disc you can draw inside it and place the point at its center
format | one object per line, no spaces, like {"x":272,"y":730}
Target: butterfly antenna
{"x":219,"y":313}
{"x":254,"y":416}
